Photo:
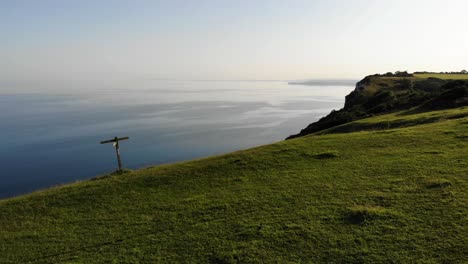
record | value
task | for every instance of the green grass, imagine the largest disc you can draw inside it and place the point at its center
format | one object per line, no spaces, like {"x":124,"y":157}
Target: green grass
{"x":397,"y":120}
{"x":388,"y":196}
{"x":444,"y":76}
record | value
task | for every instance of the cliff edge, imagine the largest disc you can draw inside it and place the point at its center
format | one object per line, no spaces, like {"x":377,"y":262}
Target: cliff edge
{"x":381,"y":94}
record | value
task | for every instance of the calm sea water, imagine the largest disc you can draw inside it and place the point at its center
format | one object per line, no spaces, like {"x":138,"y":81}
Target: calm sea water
{"x":52,"y":137}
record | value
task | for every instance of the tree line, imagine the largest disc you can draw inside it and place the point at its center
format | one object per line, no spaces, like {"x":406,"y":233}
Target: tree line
{"x":453,"y":72}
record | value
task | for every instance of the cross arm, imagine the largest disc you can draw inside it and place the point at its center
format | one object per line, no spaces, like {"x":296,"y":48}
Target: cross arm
{"x":114,"y":140}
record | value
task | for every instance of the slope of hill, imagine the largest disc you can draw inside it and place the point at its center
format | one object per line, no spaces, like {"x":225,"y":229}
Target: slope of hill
{"x":382,"y":194}
{"x":381,"y":94}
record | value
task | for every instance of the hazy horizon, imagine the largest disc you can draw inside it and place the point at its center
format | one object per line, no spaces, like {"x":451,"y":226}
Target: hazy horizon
{"x":87,"y":41}
{"x":167,"y":121}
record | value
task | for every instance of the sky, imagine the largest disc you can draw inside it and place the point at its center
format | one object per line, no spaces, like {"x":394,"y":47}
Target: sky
{"x":72,"y":40}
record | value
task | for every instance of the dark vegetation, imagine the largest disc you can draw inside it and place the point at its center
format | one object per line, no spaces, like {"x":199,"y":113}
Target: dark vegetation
{"x":391,"y":92}
{"x":396,"y":74}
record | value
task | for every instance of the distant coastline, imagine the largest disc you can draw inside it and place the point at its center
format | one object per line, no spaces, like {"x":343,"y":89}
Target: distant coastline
{"x":325,"y":82}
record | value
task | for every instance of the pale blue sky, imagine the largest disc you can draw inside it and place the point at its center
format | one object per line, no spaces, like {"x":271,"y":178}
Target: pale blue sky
{"x":86,"y":40}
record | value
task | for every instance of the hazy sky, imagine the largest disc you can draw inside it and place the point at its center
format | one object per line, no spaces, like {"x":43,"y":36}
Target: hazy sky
{"x":254,"y":39}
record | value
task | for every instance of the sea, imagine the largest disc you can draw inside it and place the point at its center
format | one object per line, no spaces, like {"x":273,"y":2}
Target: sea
{"x":51,"y":137}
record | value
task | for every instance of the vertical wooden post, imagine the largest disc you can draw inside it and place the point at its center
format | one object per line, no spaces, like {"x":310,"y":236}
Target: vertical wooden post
{"x":116,"y":140}
{"x":117,"y":151}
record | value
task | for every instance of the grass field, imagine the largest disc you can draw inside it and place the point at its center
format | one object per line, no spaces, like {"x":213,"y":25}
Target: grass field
{"x":395,"y":195}
{"x":443,"y":76}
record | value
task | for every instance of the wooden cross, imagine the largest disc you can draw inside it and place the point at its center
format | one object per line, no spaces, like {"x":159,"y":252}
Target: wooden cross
{"x":116,"y":145}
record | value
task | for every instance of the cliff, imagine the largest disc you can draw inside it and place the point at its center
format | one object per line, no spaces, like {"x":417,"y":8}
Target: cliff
{"x":382,"y":94}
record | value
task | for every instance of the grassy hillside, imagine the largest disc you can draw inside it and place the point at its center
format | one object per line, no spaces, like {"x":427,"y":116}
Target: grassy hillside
{"x":396,"y":195}
{"x":444,"y":76}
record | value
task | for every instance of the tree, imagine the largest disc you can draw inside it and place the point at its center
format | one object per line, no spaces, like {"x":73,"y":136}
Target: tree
{"x":402,"y":74}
